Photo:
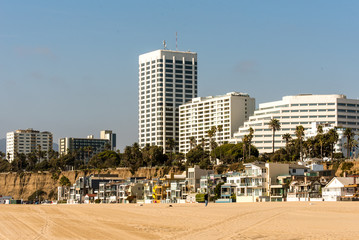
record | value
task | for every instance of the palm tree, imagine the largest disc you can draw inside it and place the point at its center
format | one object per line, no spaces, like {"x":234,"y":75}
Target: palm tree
{"x":244,"y":141}
{"x":88,"y":150}
{"x":309,"y":144}
{"x":354,"y":146}
{"x":287,"y":137}
{"x":203,"y":142}
{"x":250,"y":137}
{"x":320,"y":138}
{"x":220,"y":130}
{"x":170,"y":144}
{"x":211,"y":134}
{"x":299,"y":132}
{"x":332,"y":139}
{"x":274,"y":124}
{"x":349,"y":134}
{"x":192,"y":142}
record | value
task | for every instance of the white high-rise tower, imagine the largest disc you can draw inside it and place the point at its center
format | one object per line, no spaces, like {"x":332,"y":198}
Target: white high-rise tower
{"x":167,"y":79}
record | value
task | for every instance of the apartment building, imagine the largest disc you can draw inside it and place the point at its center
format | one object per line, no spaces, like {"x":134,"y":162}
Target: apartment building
{"x":27,"y":141}
{"x":303,"y":110}
{"x":109,"y":135}
{"x":106,"y":141}
{"x":229,"y":111}
{"x":167,"y":79}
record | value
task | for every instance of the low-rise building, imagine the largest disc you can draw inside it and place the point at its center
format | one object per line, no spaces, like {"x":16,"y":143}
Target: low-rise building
{"x":194,"y":177}
{"x":305,"y":188}
{"x":340,"y":188}
{"x":257,"y":181}
{"x":298,"y":170}
{"x":176,"y":188}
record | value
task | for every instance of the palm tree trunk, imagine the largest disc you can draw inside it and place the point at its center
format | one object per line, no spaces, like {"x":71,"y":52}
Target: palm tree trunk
{"x":249,"y":151}
{"x":273,"y":141}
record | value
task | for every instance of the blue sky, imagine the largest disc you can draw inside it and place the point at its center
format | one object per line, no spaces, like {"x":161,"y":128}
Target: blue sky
{"x":71,"y":67}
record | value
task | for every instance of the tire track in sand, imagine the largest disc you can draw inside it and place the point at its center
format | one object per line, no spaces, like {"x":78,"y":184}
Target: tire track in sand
{"x":214,"y":229}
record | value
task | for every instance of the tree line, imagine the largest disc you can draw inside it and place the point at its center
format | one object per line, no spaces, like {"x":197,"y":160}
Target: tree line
{"x":207,"y":153}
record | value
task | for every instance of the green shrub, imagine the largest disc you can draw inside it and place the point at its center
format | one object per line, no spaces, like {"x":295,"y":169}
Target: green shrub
{"x":131,"y":199}
{"x":233,"y":197}
{"x":346,"y":166}
{"x":37,"y":195}
{"x":97,"y":201}
{"x":200,"y":197}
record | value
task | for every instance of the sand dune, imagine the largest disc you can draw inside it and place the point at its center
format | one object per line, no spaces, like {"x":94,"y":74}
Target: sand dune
{"x":301,"y":220}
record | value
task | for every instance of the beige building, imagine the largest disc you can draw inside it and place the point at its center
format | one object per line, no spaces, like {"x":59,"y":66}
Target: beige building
{"x":292,"y":111}
{"x":200,"y":114}
{"x":258,"y":182}
{"x":27,"y":141}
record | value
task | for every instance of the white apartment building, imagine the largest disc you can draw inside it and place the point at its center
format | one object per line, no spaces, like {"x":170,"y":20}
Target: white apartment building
{"x":167,"y":79}
{"x":200,"y":114}
{"x":302,"y":109}
{"x":27,"y":141}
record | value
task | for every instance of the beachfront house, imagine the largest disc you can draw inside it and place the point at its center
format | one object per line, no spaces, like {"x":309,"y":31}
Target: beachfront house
{"x":176,"y":188}
{"x":194,"y":176}
{"x":298,"y":170}
{"x":306,"y":188}
{"x":256,"y":182}
{"x":209,"y":182}
{"x":85,"y":185}
{"x":341,"y":188}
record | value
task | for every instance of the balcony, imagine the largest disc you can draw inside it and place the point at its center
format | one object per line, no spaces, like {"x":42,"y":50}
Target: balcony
{"x":254,"y":184}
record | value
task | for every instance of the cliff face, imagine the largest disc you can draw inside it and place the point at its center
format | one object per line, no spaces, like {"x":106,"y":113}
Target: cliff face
{"x":21,"y":186}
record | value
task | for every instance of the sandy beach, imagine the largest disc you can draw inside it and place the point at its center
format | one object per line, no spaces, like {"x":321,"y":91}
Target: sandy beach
{"x":297,"y":220}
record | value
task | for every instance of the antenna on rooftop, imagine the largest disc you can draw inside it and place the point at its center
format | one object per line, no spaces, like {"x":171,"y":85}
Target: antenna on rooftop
{"x":164,"y":44}
{"x":176,"y":41}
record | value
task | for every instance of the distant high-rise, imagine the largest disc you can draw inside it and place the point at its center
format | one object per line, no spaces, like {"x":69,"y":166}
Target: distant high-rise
{"x":90,"y":146}
{"x":107,"y":134}
{"x":27,"y":141}
{"x":167,"y":79}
